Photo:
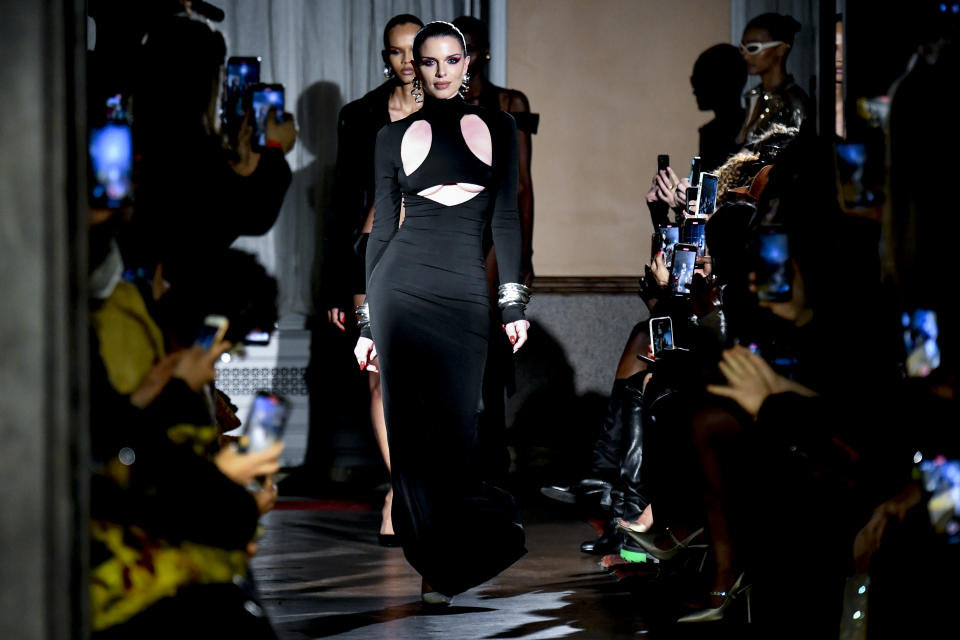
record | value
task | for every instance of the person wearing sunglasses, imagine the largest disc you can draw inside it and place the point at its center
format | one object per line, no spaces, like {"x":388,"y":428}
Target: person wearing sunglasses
{"x":765,"y":45}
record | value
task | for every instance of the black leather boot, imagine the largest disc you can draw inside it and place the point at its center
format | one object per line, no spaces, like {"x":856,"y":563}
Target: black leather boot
{"x":605,"y":461}
{"x":612,"y":539}
{"x":631,"y":461}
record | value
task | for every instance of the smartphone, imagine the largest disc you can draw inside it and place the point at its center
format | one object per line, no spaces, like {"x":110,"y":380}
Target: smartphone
{"x":214,"y":328}
{"x":774,"y":267}
{"x":667,"y":237}
{"x":266,"y":421}
{"x":695,"y":171}
{"x":920,"y":333}
{"x":111,"y":166}
{"x":693,"y":196}
{"x":264,"y":97}
{"x":681,"y":271}
{"x":257,"y":338}
{"x":661,"y":335}
{"x":695,"y":233}
{"x":707,"y":199}
{"x":241,"y":74}
{"x":663,"y":161}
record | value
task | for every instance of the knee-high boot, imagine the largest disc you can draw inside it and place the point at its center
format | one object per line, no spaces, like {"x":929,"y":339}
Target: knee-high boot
{"x":631,"y":458}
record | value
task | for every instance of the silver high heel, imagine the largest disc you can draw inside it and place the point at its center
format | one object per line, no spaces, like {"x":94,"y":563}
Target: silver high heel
{"x":647,"y":541}
{"x":738,"y":591}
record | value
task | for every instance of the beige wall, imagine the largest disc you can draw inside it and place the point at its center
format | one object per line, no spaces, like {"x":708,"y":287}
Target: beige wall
{"x":610,"y":79}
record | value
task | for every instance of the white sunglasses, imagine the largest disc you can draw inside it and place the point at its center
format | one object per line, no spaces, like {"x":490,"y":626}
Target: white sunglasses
{"x":754,"y":48}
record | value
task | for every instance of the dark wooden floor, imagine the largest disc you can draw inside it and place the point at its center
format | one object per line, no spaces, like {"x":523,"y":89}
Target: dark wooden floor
{"x":322,"y":575}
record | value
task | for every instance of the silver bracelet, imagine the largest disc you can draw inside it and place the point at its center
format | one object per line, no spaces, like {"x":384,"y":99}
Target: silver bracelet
{"x":362,"y":314}
{"x":513,"y":294}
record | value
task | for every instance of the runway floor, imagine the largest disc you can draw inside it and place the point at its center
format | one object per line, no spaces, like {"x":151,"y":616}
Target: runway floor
{"x":321,"y":574}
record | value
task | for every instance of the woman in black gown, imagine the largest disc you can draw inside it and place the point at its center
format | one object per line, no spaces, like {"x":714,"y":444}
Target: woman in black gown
{"x":453,"y":166}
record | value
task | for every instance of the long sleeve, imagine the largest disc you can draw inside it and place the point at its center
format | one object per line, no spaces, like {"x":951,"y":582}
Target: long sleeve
{"x":340,"y":261}
{"x":505,"y":223}
{"x":386,"y":216}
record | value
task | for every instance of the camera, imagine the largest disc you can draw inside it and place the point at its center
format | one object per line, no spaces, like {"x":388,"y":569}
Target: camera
{"x":264,"y":97}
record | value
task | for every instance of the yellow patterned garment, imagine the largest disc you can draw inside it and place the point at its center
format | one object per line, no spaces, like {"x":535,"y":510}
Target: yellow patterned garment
{"x":143,"y":570}
{"x":130,"y":341}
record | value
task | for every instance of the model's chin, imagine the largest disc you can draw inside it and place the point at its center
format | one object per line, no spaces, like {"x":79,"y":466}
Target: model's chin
{"x":444,"y":93}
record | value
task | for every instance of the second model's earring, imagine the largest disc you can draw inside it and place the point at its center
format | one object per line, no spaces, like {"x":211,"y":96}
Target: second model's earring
{"x":465,"y":85}
{"x":387,"y":72}
{"x":417,"y":91}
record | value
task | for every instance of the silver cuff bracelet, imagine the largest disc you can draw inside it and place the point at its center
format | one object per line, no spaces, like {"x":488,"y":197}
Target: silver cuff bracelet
{"x":362,"y":314}
{"x":513,"y":294}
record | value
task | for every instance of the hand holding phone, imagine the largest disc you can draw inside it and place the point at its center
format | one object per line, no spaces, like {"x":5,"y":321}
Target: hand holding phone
{"x":661,"y":335}
{"x":266,"y":422}
{"x":265,"y":98}
{"x":214,"y":328}
{"x":663,"y":161}
{"x":681,"y":272}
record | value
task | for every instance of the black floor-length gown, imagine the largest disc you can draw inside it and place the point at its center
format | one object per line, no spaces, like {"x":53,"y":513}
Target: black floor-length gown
{"x":430,"y":320}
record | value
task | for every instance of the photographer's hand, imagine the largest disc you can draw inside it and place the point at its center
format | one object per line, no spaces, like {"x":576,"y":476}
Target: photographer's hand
{"x":247,"y":159}
{"x":283,"y":133}
{"x":705,"y":295}
{"x":658,"y":268}
{"x":196,"y":365}
{"x":750,"y":380}
{"x":242,"y":468}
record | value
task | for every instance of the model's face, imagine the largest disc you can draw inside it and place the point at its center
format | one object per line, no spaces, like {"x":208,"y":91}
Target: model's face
{"x":400,"y":51}
{"x":760,"y":63}
{"x":441,"y":65}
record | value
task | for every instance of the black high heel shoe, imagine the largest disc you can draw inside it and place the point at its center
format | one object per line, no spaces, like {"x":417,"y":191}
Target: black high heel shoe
{"x":739,"y":592}
{"x":388,"y":540}
{"x":648,"y":542}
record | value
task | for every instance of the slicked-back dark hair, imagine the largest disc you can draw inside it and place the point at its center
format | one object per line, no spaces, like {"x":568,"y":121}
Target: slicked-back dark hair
{"x":779,"y":26}
{"x":438,"y":29}
{"x":396,"y":21}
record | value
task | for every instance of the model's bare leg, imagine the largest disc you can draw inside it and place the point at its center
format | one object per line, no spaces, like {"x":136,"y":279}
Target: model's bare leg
{"x":380,"y":433}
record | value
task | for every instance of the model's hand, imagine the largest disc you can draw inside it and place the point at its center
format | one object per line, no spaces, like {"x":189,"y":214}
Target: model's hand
{"x":366,"y":353}
{"x":750,"y":380}
{"x":336,"y":317}
{"x":517,"y":333}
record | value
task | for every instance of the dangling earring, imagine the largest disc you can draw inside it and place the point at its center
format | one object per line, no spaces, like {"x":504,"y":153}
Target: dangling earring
{"x":417,"y":91}
{"x":387,"y":72}
{"x":465,"y":85}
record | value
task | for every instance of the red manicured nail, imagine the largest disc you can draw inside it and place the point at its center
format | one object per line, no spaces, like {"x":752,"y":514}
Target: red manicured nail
{"x":512,"y":339}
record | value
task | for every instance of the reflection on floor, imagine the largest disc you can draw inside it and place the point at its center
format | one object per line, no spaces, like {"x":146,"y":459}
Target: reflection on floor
{"x":322,"y":575}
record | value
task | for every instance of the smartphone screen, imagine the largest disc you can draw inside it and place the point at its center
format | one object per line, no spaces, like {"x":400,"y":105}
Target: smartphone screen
{"x":111,"y":166}
{"x":257,"y":337}
{"x":695,"y":233}
{"x":681,"y":272}
{"x":661,"y":335}
{"x":920,"y":333}
{"x":669,"y":237}
{"x":693,"y":195}
{"x":214,"y":328}
{"x":263,"y":98}
{"x":266,"y":422}
{"x":774,"y":268}
{"x":707,"y":200}
{"x":240,"y":75}
{"x":663,"y":161}
{"x":695,"y":171}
